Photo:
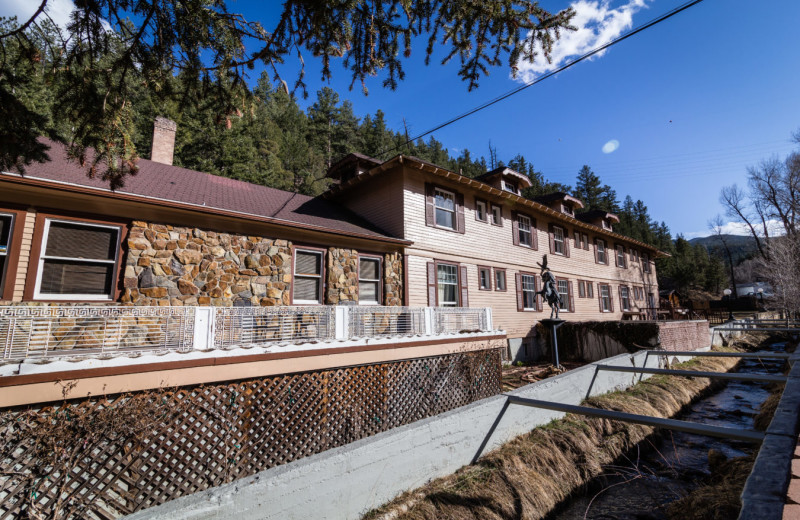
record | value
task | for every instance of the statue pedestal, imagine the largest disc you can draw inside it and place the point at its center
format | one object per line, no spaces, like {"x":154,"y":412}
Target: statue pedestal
{"x":553,"y":325}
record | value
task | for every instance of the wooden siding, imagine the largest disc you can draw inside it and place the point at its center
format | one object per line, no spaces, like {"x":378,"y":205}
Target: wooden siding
{"x":381,"y":203}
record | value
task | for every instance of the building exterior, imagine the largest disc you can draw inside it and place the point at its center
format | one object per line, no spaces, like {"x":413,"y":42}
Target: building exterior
{"x":398,"y":233}
{"x":477,"y":242}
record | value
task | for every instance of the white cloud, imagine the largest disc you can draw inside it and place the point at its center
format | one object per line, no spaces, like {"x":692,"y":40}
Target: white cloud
{"x":775,"y":228}
{"x":611,"y":146}
{"x":597,"y":24}
{"x":59,"y":10}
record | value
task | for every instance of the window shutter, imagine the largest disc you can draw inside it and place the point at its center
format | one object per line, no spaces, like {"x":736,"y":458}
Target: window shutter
{"x":431,"y":284}
{"x":534,"y":235}
{"x":515,"y":228}
{"x":538,"y":282}
{"x":552,"y":239}
{"x":571,"y":298}
{"x":460,"y":212}
{"x":566,"y":243}
{"x":520,"y":303}
{"x":600,"y":297}
{"x":464,"y":287}
{"x":429,"y":208}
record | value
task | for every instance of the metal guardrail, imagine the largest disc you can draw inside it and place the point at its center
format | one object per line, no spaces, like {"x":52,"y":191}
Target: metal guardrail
{"x":42,"y":332}
{"x":455,"y":320}
{"x":236,"y":326}
{"x":377,"y":321}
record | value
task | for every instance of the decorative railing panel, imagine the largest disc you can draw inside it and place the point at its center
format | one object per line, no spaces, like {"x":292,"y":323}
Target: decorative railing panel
{"x":266,"y":325}
{"x":455,"y":320}
{"x":47,"y":331}
{"x":377,"y":321}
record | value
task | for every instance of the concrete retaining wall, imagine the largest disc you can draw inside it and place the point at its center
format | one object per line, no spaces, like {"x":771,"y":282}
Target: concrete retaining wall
{"x":347,"y":482}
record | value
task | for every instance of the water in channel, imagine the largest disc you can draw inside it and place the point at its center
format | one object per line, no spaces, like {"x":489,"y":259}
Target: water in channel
{"x":639,"y":488}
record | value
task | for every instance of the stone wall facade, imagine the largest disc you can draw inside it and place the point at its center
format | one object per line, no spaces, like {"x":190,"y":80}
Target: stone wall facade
{"x":393,"y":279}
{"x":342,"y":274}
{"x":171,"y":265}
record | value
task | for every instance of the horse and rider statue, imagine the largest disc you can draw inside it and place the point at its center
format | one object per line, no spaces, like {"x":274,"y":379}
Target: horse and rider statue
{"x":549,"y":290}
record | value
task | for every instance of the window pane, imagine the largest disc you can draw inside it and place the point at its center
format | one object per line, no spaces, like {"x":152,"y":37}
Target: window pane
{"x":444,"y":218}
{"x":69,"y":277}
{"x":5,"y":231}
{"x":306,"y":289}
{"x":368,"y":291}
{"x":528,"y":291}
{"x":308,"y":263}
{"x":563,"y":291}
{"x":500,"y":280}
{"x":78,"y":241}
{"x":444,"y":200}
{"x":486,"y":282}
{"x":447,"y":274}
{"x":368,"y":269}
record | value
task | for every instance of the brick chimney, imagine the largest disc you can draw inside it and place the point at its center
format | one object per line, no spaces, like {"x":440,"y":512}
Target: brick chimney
{"x":163,"y":140}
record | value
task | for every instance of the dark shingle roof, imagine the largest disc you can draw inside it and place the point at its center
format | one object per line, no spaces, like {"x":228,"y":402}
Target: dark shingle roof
{"x":176,"y":184}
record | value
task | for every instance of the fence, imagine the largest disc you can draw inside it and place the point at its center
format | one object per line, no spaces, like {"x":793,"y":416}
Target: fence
{"x":92,"y":331}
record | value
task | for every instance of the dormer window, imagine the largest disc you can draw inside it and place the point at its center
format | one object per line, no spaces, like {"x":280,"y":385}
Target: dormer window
{"x":606,"y":224}
{"x":566,"y":209}
{"x":510,"y":187}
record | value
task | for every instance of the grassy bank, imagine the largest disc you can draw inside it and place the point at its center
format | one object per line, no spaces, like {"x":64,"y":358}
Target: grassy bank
{"x":530,"y":475}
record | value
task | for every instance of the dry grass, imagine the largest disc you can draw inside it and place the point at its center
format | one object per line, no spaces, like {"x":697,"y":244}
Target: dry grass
{"x":528,"y":476}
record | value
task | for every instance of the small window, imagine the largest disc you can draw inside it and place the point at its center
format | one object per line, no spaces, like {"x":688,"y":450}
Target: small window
{"x":307,"y":277}
{"x":605,"y":224}
{"x":567,"y":209}
{"x":499,"y":279}
{"x":646,"y":262}
{"x":625,"y":297}
{"x":6,"y":224}
{"x":485,"y":278}
{"x":563,"y":291}
{"x":601,"y":252}
{"x":510,"y":187}
{"x":480,"y":210}
{"x":585,"y":241}
{"x":524,"y":231}
{"x":528,"y":292}
{"x":589,"y":290}
{"x":635,"y":255}
{"x":581,"y":289}
{"x":78,"y":261}
{"x":445,"y":204}
{"x":497,"y":215}
{"x":447,"y":284}
{"x":369,"y":281}
{"x":621,"y":257}
{"x":558,"y":241}
{"x":605,"y":297}
{"x":577,"y":240}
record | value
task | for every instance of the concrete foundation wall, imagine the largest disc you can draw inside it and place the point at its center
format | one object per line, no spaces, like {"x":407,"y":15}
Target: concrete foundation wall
{"x":346,"y":482}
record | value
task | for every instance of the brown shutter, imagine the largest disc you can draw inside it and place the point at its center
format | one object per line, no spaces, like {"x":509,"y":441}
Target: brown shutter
{"x":534,"y":235}
{"x":464,"y":287}
{"x":538,"y":285}
{"x":566,"y":243}
{"x":460,"y":213}
{"x":600,"y":297}
{"x":515,"y":228}
{"x":431,"y":284}
{"x":552,"y":239}
{"x":429,"y":208}
{"x":520,"y":302}
{"x":571,"y":297}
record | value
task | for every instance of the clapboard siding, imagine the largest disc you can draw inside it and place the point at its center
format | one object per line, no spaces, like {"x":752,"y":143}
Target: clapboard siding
{"x":380,"y":202}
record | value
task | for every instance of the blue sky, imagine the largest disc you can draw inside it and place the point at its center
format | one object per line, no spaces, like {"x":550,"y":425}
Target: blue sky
{"x":692,"y":102}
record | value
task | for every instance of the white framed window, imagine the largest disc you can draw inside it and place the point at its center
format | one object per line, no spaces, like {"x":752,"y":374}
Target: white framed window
{"x":625,"y":298}
{"x":621,"y":256}
{"x":558,"y":241}
{"x":307,"y":288}
{"x":510,"y":187}
{"x":444,"y":203}
{"x":563,"y":290}
{"x":485,"y":278}
{"x":497,"y":215}
{"x":528,"y":292}
{"x":369,"y":280}
{"x":605,"y":297}
{"x":589,"y":290}
{"x":78,"y":261}
{"x":606,"y":224}
{"x":6,"y":228}
{"x":524,"y":232}
{"x":567,"y":209}
{"x":601,"y":252}
{"x":447,"y":284}
{"x":499,"y":279}
{"x":480,"y":210}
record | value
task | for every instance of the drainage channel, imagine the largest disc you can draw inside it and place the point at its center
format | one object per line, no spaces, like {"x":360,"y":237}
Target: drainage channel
{"x":641,"y":487}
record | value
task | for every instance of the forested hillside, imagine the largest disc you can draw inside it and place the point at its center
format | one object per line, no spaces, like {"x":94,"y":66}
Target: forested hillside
{"x":267,"y":138}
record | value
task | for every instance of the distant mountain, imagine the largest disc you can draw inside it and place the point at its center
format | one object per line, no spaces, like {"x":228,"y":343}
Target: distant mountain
{"x":741,"y":246}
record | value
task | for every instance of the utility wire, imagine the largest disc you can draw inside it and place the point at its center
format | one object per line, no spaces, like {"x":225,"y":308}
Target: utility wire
{"x":564,"y":67}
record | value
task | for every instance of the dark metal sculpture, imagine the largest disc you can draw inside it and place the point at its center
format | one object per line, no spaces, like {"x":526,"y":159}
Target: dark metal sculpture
{"x":549,"y":290}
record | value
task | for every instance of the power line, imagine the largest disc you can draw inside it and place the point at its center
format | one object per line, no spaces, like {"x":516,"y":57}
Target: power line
{"x":564,"y":67}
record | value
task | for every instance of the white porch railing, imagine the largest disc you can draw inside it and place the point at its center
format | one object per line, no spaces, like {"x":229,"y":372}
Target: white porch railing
{"x":97,"y":331}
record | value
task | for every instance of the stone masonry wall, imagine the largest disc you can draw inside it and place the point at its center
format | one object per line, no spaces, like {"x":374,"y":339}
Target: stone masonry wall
{"x":171,"y":265}
{"x":393,"y":279}
{"x":342,"y":274}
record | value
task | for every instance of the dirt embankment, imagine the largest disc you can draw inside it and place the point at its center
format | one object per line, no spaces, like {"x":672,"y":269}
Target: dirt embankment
{"x":530,"y":475}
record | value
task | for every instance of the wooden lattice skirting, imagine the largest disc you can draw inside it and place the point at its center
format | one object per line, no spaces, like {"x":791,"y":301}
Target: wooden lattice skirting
{"x":107,"y":457}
